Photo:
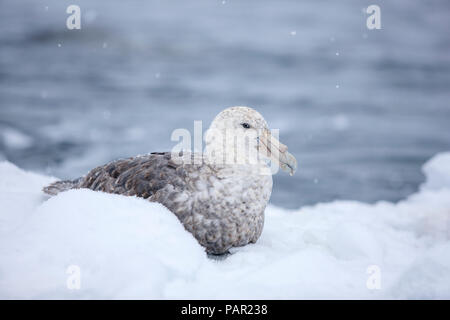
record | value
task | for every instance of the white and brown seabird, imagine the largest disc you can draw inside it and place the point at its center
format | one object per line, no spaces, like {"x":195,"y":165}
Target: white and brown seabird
{"x":218,"y":198}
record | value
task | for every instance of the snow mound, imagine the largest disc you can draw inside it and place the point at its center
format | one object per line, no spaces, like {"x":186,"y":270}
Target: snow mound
{"x":437,"y":171}
{"x":90,"y":245}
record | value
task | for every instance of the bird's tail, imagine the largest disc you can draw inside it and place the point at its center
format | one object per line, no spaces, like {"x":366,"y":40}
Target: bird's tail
{"x":60,"y":186}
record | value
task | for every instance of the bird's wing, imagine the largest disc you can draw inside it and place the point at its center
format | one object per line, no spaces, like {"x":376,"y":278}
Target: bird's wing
{"x":140,"y":176}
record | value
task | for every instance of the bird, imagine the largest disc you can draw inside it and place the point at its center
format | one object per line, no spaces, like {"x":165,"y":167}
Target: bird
{"x":219,"y":195}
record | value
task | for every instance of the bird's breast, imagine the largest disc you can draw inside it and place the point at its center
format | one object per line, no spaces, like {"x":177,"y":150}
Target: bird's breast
{"x":228,"y":211}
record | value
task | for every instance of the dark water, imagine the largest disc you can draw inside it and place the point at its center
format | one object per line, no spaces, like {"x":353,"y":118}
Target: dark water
{"x":137,"y":70}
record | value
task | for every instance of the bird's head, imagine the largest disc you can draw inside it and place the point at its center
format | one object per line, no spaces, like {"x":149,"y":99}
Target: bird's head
{"x":240,"y":135}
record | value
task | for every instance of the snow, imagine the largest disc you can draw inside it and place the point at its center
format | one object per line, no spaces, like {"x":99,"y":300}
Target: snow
{"x":126,"y":247}
{"x":437,"y":171}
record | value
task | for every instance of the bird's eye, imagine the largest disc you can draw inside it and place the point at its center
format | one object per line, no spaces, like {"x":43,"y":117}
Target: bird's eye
{"x":245,"y":125}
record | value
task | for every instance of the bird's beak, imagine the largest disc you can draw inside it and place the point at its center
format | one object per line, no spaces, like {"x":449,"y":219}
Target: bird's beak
{"x":277,"y":152}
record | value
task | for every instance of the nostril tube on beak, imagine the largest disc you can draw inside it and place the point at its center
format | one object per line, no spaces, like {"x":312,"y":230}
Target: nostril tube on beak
{"x":273,"y":143}
{"x":277,"y":144}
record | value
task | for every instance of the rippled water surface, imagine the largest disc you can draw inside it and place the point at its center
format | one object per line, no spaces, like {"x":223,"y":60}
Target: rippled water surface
{"x":360,"y":109}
